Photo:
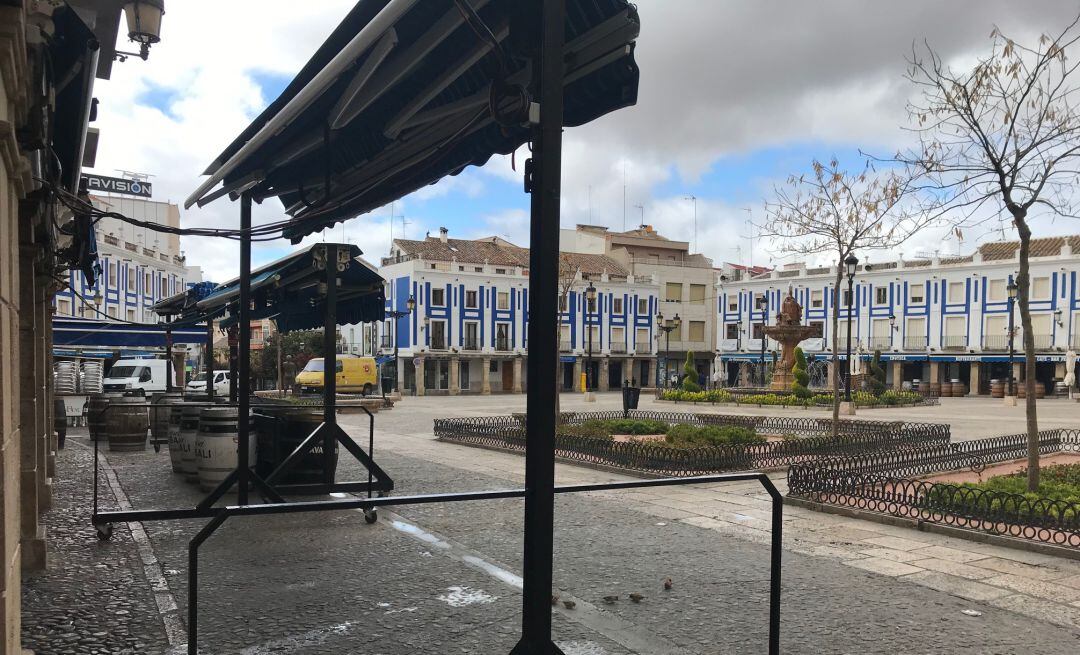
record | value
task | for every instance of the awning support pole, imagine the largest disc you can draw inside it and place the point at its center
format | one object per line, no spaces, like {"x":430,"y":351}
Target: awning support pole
{"x":243,"y":363}
{"x":330,"y":363}
{"x":540,"y":421}
{"x":169,"y":372}
{"x":208,"y":360}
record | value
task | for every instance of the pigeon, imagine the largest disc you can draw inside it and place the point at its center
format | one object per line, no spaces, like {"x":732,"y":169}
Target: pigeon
{"x":569,"y":604}
{"x":554,"y":599}
{"x":610,"y":599}
{"x":667,"y":584}
{"x":636,"y":597}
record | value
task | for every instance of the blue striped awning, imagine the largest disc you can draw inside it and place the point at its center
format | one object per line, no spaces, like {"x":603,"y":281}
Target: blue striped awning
{"x":91,"y":332}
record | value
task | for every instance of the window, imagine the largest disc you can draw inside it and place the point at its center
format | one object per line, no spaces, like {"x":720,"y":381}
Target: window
{"x":847,"y":298}
{"x":618,"y":336}
{"x":438,"y":297}
{"x":500,"y":271}
{"x":756,"y":332}
{"x":1040,"y":288}
{"x":616,"y":305}
{"x":696,"y":331}
{"x":673,"y":292}
{"x":996,"y":290}
{"x":432,"y":266}
{"x":957,"y":292}
{"x":676,"y":334}
{"x":472,"y":339}
{"x":641,"y":344}
{"x":816,"y":298}
{"x":148,"y":284}
{"x":916,"y":328}
{"x":464,"y":377}
{"x":562,"y":303}
{"x":1040,"y":327}
{"x":131,"y":278}
{"x":112,"y":312}
{"x":592,"y":305}
{"x":731,"y":331}
{"x":955,"y":326}
{"x":461,"y":268}
{"x":917,"y":294}
{"x":470,"y":300}
{"x":564,"y":337}
{"x":819,"y":328}
{"x":63,"y":308}
{"x":438,"y":335}
{"x":112,"y":273}
{"x":697,"y":294}
{"x":478,"y":269}
{"x":643,"y":306}
{"x":881,"y":295}
{"x":733,"y":302}
{"x":881,"y":330}
{"x":131,"y":315}
{"x":503,"y":300}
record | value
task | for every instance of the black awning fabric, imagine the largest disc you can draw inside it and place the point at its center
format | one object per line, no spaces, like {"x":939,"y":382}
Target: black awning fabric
{"x":291,"y":292}
{"x":351,"y":134}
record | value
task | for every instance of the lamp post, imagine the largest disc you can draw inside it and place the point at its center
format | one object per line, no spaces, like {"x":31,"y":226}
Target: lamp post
{"x":590,"y":308}
{"x":763,"y":307}
{"x":410,"y":306}
{"x":851,"y":263}
{"x":144,"y":26}
{"x":667,"y":329}
{"x":1013,"y":288}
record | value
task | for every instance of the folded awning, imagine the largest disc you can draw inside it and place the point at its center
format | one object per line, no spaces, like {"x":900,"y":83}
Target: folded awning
{"x":90,"y":332}
{"x":406,"y":92}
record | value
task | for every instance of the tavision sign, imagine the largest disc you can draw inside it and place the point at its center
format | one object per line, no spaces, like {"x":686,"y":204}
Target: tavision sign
{"x":103,"y":184}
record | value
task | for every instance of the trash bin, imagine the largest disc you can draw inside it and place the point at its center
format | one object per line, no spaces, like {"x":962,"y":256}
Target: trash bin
{"x":280,"y":429}
{"x":630,"y":397}
{"x":387,"y":385}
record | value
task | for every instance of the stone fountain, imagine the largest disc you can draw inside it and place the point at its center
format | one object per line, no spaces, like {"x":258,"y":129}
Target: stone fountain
{"x":788,"y":332}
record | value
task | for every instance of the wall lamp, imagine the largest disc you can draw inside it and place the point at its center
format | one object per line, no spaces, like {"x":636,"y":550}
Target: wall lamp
{"x":144,"y":26}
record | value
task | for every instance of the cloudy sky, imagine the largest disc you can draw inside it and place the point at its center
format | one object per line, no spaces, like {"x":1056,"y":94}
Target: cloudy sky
{"x":735,"y":96}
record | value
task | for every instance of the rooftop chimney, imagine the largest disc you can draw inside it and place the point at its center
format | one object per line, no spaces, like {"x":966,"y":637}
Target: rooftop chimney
{"x":443,"y":232}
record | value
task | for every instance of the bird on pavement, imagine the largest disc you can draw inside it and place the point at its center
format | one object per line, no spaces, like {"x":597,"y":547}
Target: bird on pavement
{"x":636,"y":597}
{"x":667,"y":584}
{"x":554,"y":599}
{"x":610,"y":599}
{"x":569,"y":604}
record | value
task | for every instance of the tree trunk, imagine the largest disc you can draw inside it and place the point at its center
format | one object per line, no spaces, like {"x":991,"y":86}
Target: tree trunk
{"x":836,"y":349}
{"x":1023,"y":295}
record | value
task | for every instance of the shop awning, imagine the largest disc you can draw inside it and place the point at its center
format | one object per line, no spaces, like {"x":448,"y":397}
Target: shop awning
{"x":292,"y":292}
{"x":406,"y":92}
{"x":90,"y":332}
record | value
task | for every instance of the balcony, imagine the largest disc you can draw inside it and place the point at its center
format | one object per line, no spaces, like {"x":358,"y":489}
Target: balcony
{"x":1042,"y":341}
{"x":643,"y":349}
{"x":880,"y":343}
{"x":470,"y":344}
{"x":502,"y":344}
{"x":565,"y":346}
{"x":954,"y":342}
{"x":996,"y":342}
{"x":729,"y":345}
{"x":617,"y":349}
{"x":915,"y":343}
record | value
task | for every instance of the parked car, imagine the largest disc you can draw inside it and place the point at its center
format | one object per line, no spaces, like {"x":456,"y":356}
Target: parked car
{"x":221,"y":383}
{"x":145,"y":375}
{"x":354,"y":374}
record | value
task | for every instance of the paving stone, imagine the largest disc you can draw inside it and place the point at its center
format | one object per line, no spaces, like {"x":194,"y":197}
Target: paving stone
{"x":1037,"y":588}
{"x":1026,"y":570}
{"x":953,"y":568}
{"x":951,"y":554}
{"x":1041,"y":609}
{"x":894,"y":555}
{"x":897,"y":543}
{"x":956,"y":586}
{"x":883,"y":566}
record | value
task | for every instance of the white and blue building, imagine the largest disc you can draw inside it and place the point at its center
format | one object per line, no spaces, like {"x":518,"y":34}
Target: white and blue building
{"x":468,"y":331}
{"x":935,"y":320}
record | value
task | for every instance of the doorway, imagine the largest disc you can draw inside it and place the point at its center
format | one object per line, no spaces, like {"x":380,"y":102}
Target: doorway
{"x":615,"y":375}
{"x":507,"y":375}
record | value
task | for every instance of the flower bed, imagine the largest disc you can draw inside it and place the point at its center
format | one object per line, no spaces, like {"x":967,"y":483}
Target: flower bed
{"x":863,"y":399}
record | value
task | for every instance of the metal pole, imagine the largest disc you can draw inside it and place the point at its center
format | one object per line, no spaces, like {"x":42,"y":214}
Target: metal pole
{"x":397,"y":358}
{"x":851,"y":301}
{"x":209,"y":363}
{"x":280,"y":364}
{"x":589,"y":382}
{"x":330,"y":362}
{"x":243,"y":363}
{"x":169,"y":372}
{"x":541,"y":403}
{"x":667,"y":354}
{"x":1012,"y":334}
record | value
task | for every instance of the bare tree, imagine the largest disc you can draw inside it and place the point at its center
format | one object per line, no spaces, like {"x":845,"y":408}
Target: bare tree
{"x":1004,"y":135}
{"x":568,"y":277}
{"x":838,"y":213}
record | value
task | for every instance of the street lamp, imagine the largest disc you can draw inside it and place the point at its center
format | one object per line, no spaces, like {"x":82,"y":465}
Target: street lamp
{"x":144,"y":26}
{"x":397,"y":315}
{"x":1012,"y":288}
{"x":851,"y":263}
{"x":667,"y":329}
{"x":763,"y":307}
{"x":590,"y":308}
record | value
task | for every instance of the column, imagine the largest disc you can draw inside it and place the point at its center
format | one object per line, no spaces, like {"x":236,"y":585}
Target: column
{"x":604,"y":378}
{"x":517,"y":374}
{"x":32,"y":533}
{"x":455,"y":376}
{"x":420,"y":383}
{"x":897,"y":374}
{"x":577,"y":375}
{"x":935,"y":372}
{"x":1018,"y":368}
{"x":400,"y":364}
{"x":485,"y":376}
{"x":973,"y":379}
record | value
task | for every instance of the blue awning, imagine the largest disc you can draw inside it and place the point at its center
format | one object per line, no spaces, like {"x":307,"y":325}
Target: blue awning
{"x":382,"y":360}
{"x":90,"y":332}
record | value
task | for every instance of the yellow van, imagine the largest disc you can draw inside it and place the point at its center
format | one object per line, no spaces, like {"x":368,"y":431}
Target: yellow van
{"x":354,"y":374}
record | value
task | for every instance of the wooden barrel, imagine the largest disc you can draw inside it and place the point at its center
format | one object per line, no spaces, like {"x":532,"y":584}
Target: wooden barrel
{"x":216,"y":446}
{"x":959,"y":389}
{"x":924,"y":387}
{"x":997,"y":388}
{"x":946,"y":389}
{"x":161,"y":415}
{"x":935,"y":389}
{"x":1021,"y":390}
{"x":280,"y":431}
{"x":189,"y":431}
{"x":127,"y":423}
{"x":59,"y":421}
{"x":96,"y":414}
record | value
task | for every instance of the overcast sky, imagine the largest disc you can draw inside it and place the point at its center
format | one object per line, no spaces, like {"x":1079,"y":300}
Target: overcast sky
{"x":735,"y":96}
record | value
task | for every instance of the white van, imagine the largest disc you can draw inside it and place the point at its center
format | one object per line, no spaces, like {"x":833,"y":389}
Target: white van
{"x":146,"y":375}
{"x":221,"y":383}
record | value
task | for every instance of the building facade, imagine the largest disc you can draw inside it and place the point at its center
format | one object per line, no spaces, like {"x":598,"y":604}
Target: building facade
{"x":933,"y":320}
{"x":686,"y":283}
{"x":468,"y":332}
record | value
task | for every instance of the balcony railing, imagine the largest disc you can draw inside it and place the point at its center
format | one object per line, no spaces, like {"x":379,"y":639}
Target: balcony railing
{"x":502,"y":344}
{"x":1042,"y":341}
{"x":880,"y":343}
{"x":470,"y":344}
{"x":643,"y":349}
{"x":565,"y":346}
{"x":915,"y":343}
{"x":618,"y":349}
{"x":438,"y":343}
{"x":387,"y":261}
{"x":953,"y":342}
{"x":996,"y":342}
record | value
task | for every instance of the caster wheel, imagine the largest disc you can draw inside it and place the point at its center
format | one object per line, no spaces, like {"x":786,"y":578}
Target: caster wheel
{"x":371,"y":516}
{"x":157,"y":448}
{"x":104,"y":531}
{"x":384,"y":494}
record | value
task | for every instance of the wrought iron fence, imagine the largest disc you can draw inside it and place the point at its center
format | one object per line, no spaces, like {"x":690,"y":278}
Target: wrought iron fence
{"x":804,"y":439}
{"x":884,"y":482}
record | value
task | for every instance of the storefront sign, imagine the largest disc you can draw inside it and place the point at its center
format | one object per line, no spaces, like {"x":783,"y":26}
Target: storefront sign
{"x":122,"y":186}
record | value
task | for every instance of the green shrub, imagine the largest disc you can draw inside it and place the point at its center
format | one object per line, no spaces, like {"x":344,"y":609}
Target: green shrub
{"x":1059,"y":483}
{"x":593,"y":428}
{"x":877,"y":375}
{"x":689,"y":382}
{"x":636,"y":426}
{"x":691,"y":436}
{"x":682,"y":395}
{"x":802,"y":378}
